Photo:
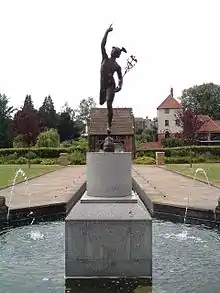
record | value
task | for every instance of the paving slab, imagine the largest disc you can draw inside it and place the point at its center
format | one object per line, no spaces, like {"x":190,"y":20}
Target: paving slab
{"x":54,"y":187}
{"x":166,"y":187}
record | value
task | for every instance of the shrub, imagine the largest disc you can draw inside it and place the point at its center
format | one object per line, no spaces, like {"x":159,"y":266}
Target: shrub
{"x":30,"y":155}
{"x":210,"y":151}
{"x":49,"y":138}
{"x":41,"y":152}
{"x":48,"y":161}
{"x":145,"y":161}
{"x":21,"y":161}
{"x":77,"y":158}
{"x":19,"y":142}
{"x":36,"y":161}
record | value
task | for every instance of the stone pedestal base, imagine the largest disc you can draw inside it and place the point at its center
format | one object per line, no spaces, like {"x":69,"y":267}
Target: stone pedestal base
{"x":63,"y":159}
{"x":160,"y":158}
{"x":108,"y":238}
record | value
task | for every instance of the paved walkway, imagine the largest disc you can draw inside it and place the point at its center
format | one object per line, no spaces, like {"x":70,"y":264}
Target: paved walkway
{"x":161,"y":185}
{"x":164,"y":186}
{"x":57,"y":186}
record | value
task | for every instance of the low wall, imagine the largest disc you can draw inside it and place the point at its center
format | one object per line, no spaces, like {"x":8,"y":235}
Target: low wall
{"x":43,"y":212}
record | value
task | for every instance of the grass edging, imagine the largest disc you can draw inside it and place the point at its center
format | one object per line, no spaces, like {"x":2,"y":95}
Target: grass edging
{"x":189,"y":176}
{"x":32,"y":177}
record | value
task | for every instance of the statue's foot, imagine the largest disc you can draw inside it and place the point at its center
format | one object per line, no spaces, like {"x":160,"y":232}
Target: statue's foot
{"x":108,"y":130}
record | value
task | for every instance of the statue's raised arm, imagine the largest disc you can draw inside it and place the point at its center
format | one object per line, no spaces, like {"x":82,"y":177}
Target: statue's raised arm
{"x":104,"y":54}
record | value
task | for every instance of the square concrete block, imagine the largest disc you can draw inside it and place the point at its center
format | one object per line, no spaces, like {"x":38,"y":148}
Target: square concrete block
{"x":76,"y":233}
{"x":109,"y":174}
{"x":141,"y":240}
{"x":108,"y":240}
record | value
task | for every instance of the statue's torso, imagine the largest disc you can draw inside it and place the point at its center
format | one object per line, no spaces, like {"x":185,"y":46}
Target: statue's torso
{"x":108,"y":68}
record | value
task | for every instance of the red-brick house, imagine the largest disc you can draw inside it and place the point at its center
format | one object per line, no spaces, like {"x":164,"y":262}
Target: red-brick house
{"x":122,"y":129}
{"x":210,"y":129}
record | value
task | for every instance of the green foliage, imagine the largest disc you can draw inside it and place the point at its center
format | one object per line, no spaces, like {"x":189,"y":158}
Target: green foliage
{"x":81,"y":143}
{"x":145,"y":161}
{"x":197,"y":151}
{"x":41,"y":152}
{"x":19,"y":142}
{"x":85,"y":106}
{"x":30,"y":155}
{"x":172,"y":142}
{"x":48,"y":114}
{"x":77,"y":158}
{"x":48,"y":162}
{"x":141,"y":138}
{"x":5,"y":122}
{"x":67,"y":128}
{"x":36,"y":161}
{"x":49,"y":138}
{"x":21,"y":161}
{"x":203,"y":99}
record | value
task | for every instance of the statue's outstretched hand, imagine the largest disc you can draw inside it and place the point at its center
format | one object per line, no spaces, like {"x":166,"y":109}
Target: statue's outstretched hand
{"x":110,"y":29}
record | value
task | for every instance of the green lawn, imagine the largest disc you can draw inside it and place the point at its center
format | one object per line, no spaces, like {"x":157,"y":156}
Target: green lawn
{"x":7,"y":173}
{"x":212,"y":171}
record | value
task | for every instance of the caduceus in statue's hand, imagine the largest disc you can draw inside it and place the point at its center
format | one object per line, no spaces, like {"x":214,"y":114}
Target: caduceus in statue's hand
{"x":108,"y":67}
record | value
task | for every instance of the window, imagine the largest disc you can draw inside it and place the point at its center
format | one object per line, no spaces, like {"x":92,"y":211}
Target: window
{"x":166,"y":111}
{"x":166,"y":122}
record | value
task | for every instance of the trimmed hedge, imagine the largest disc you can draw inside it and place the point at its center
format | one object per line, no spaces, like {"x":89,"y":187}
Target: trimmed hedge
{"x":197,"y":151}
{"x":40,"y":152}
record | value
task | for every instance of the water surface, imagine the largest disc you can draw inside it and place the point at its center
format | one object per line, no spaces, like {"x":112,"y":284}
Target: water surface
{"x":185,"y":259}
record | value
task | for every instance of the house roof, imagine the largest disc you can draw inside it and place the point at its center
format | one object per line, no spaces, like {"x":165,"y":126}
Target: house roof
{"x":122,"y":123}
{"x":150,"y":145}
{"x":170,"y":102}
{"x":209,"y":125}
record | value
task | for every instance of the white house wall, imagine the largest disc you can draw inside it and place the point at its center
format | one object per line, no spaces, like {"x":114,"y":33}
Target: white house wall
{"x":162,"y":116}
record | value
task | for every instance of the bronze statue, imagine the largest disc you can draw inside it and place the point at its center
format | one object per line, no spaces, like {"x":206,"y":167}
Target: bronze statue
{"x":108,"y":67}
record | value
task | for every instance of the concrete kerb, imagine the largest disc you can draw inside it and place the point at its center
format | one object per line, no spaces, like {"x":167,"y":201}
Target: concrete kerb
{"x":188,"y":176}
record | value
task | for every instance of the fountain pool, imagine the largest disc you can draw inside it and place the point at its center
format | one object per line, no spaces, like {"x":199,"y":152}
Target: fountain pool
{"x":185,"y":259}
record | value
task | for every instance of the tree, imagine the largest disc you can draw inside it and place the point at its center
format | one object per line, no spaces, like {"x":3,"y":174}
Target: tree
{"x":67,"y":128}
{"x":203,"y":99}
{"x":190,"y":123}
{"x":27,"y":123}
{"x":83,"y":112}
{"x":49,"y":138}
{"x":47,"y":112}
{"x":6,"y":133}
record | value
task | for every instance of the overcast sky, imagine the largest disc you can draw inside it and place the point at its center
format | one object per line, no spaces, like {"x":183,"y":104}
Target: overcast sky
{"x":53,"y":47}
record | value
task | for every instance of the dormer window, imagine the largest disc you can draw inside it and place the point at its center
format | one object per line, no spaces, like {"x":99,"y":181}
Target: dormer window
{"x":167,"y":111}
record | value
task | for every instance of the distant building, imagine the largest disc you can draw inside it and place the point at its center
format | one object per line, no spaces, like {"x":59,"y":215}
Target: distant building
{"x":144,"y":124}
{"x":122,"y":129}
{"x":166,"y":111}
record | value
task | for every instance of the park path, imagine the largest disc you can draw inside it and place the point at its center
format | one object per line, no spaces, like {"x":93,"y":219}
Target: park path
{"x":54,"y":187}
{"x":160,"y":185}
{"x":164,"y":186}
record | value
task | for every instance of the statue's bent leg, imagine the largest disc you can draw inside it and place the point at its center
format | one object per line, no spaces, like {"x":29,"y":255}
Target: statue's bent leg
{"x":110,"y":98}
{"x":102,"y":96}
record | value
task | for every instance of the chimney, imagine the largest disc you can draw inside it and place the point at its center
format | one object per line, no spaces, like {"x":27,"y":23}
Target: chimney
{"x":171,"y":92}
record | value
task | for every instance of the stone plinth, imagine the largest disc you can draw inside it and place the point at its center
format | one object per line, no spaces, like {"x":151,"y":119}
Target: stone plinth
{"x":63,"y":159}
{"x":109,"y":239}
{"x":109,"y":174}
{"x":108,"y":233}
{"x":160,"y":158}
